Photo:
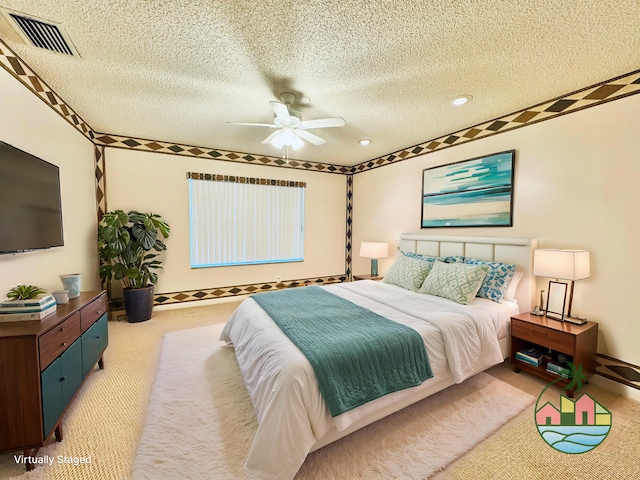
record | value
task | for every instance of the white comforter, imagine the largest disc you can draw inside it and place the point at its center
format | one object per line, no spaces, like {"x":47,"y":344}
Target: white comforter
{"x":292,"y":415}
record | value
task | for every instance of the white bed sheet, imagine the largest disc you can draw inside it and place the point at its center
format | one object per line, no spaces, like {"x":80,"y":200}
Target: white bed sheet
{"x":292,"y":415}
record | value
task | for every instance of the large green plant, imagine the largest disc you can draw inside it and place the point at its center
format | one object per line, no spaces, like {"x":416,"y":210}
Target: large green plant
{"x":125,"y":242}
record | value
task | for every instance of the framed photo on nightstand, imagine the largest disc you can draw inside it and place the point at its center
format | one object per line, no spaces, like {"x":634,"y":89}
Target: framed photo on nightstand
{"x":556,"y":300}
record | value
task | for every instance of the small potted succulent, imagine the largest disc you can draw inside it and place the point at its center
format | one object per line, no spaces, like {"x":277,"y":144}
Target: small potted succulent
{"x":24,"y":292}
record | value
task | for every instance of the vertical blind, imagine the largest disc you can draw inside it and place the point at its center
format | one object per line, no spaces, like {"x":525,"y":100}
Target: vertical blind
{"x":239,"y":221}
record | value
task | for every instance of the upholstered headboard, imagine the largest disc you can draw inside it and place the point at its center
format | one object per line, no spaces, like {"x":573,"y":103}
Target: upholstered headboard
{"x":516,"y":251}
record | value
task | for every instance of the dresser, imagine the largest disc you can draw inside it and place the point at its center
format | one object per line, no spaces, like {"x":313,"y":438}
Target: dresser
{"x":43,"y":363}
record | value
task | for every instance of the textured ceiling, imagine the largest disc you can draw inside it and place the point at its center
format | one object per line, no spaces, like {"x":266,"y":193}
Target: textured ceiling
{"x":177,"y":70}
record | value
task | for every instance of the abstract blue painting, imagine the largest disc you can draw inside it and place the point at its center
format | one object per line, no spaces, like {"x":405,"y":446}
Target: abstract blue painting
{"x":472,"y":193}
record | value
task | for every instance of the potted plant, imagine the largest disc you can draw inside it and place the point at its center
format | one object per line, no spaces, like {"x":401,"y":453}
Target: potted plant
{"x":24,"y":292}
{"x":129,"y":244}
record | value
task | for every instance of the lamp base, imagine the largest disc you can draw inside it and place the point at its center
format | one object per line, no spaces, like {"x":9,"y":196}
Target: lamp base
{"x":576,"y":320}
{"x":374,"y":267}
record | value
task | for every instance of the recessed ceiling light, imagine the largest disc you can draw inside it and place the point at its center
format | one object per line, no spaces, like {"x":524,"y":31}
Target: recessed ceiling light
{"x":364,"y":141}
{"x":462,"y":99}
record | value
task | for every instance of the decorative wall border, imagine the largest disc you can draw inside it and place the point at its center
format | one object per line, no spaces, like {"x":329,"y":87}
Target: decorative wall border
{"x":101,"y":185}
{"x":614,"y":89}
{"x":155,"y":146}
{"x":245,"y":180}
{"x":18,"y":69}
{"x":222,"y":292}
{"x":349,"y":234}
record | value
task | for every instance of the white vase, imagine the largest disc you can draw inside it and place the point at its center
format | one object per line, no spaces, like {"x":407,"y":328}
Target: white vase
{"x":71,"y":282}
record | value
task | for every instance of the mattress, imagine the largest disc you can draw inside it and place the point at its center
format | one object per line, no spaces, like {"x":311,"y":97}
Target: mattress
{"x":292,"y":417}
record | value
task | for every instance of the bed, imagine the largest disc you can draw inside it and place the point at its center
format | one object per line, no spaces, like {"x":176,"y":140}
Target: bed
{"x":461,"y":340}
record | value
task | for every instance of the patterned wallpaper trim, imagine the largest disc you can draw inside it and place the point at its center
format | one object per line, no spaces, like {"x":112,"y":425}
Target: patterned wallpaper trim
{"x":222,"y":292}
{"x":349,"y":234}
{"x":155,"y":146}
{"x":252,"y":181}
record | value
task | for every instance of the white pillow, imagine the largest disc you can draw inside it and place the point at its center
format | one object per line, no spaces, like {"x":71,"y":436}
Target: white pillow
{"x":510,"y":295}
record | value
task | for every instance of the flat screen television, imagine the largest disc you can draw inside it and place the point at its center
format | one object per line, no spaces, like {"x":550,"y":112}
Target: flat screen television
{"x":30,"y":204}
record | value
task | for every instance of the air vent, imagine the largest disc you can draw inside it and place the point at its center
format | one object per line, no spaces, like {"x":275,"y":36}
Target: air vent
{"x":42,"y":34}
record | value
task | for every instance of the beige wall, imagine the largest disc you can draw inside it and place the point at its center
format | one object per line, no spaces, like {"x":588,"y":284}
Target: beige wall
{"x":27,"y":123}
{"x":157,"y":183}
{"x":577,"y":186}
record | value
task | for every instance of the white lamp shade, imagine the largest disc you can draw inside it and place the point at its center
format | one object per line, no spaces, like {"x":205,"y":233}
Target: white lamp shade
{"x":563,"y":264}
{"x":374,"y":250}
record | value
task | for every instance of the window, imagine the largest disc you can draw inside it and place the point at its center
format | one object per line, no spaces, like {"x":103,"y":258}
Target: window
{"x":240,"y":221}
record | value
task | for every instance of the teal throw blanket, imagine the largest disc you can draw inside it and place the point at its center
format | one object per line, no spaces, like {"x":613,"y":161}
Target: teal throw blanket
{"x":356,"y":354}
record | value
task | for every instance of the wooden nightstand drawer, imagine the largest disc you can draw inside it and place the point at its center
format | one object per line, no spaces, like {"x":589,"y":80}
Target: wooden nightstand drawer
{"x":58,"y":339}
{"x":553,"y":339}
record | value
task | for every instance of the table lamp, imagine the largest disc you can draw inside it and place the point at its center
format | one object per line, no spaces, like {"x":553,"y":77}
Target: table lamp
{"x":569,"y":265}
{"x":374,"y":251}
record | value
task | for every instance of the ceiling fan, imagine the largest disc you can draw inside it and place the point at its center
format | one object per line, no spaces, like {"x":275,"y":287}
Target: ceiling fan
{"x":292,"y":130}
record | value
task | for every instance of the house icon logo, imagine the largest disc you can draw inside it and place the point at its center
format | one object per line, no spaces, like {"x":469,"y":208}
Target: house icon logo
{"x":578,"y":426}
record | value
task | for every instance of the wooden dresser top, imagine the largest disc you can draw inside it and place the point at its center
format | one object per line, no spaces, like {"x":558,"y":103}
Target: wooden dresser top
{"x":38,"y":327}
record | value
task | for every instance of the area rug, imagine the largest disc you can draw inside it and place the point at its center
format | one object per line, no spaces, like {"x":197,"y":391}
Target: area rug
{"x":200,"y":422}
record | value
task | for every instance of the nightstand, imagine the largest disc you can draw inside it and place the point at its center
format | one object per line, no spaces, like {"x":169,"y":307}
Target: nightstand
{"x":366,"y":277}
{"x":579,"y":342}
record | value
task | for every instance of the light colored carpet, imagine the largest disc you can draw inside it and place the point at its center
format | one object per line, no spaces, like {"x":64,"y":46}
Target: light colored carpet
{"x":200,"y":422}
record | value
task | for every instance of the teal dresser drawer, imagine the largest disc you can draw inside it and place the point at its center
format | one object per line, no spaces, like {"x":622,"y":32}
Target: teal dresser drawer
{"x":60,"y":381}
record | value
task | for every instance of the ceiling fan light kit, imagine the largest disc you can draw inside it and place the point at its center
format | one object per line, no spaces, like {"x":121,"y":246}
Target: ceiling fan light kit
{"x":292,"y":130}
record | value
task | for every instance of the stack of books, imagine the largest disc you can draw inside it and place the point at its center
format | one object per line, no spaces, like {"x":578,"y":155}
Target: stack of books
{"x":558,"y":368}
{"x":532,"y":356}
{"x":24,"y":310}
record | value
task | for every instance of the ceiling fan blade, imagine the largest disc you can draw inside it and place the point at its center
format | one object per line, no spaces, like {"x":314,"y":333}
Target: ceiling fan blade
{"x":268,"y":125}
{"x":309,"y":137}
{"x":281,"y":111}
{"x":323,"y":123}
{"x":270,"y":137}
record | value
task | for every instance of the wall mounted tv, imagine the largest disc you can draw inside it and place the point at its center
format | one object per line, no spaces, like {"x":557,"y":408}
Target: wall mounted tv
{"x":30,"y":206}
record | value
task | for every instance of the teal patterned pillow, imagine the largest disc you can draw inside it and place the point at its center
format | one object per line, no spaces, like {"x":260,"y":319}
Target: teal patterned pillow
{"x":431,"y":258}
{"x":408,"y":272}
{"x":495,"y":284}
{"x":417,"y":256}
{"x":456,"y":281}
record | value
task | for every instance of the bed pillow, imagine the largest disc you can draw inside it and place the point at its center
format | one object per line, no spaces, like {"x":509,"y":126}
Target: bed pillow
{"x":495,"y":283}
{"x":456,"y":281}
{"x":431,"y":258}
{"x":510,"y":295}
{"x":407,"y":272}
{"x":417,"y":256}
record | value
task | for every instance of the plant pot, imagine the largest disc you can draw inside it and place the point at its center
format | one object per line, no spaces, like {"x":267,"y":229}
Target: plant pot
{"x":138,"y":303}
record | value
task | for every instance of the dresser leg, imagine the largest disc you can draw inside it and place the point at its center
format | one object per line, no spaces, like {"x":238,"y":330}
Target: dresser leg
{"x":30,"y":454}
{"x":101,"y":363}
{"x":58,"y":432}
